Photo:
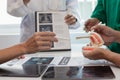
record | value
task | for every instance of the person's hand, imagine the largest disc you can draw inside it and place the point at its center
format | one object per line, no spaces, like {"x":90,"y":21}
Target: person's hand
{"x":94,"y":53}
{"x":90,"y":23}
{"x":40,"y":41}
{"x":106,"y":33}
{"x":70,"y":19}
{"x":26,"y":1}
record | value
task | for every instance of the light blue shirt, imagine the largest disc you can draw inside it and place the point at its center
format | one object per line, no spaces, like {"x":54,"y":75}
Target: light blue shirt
{"x":18,"y":9}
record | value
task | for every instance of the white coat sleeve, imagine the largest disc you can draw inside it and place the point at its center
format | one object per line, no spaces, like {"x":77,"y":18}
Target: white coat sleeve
{"x":16,"y":8}
{"x":74,"y":9}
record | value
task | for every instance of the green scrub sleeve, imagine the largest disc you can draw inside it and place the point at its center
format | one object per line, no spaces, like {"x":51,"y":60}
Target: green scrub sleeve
{"x":99,"y":12}
{"x":115,"y":47}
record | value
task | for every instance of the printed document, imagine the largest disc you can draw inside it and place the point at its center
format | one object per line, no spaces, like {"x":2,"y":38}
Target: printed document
{"x":54,"y":22}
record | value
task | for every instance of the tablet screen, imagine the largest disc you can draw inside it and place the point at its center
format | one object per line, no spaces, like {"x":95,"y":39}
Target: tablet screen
{"x":78,"y":73}
{"x":21,"y":72}
{"x":34,"y":67}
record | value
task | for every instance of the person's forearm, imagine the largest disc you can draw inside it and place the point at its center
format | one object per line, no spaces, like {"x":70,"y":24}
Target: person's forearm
{"x":113,"y":57}
{"x":11,"y":52}
{"x":117,"y":36}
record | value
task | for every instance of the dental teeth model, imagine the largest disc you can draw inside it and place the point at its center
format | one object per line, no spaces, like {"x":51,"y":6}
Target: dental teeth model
{"x":95,"y":41}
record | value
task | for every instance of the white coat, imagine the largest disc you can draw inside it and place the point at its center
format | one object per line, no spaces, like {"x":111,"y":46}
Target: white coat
{"x":18,"y":9}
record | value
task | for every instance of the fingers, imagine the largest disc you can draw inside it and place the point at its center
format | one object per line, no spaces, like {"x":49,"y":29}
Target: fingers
{"x":90,"y":23}
{"x":49,"y":39}
{"x":87,"y":51}
{"x":87,"y":25}
{"x":44,"y":34}
{"x":44,"y":45}
{"x":40,"y":41}
{"x":44,"y":48}
{"x":87,"y":28}
{"x":46,"y":38}
{"x":90,"y":52}
{"x":97,"y":28}
{"x":70,"y":19}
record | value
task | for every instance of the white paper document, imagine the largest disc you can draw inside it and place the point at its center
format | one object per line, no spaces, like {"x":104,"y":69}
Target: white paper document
{"x":54,"y":22}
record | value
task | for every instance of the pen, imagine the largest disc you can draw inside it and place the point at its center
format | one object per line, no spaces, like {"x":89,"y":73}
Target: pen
{"x":80,"y":37}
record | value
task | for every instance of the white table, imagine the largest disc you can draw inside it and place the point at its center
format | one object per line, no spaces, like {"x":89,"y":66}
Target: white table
{"x":75,"y":52}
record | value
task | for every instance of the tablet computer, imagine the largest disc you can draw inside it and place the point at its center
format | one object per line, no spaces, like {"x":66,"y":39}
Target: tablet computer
{"x":20,"y":71}
{"x":78,"y":73}
{"x":34,"y":67}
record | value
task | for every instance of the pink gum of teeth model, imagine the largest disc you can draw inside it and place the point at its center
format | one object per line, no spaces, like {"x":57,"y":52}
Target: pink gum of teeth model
{"x":87,"y":48}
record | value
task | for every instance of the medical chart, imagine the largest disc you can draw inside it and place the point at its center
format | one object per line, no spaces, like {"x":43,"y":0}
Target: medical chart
{"x":54,"y":22}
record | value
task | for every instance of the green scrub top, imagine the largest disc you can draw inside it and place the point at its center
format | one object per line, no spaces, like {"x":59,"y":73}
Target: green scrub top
{"x":108,"y":12}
